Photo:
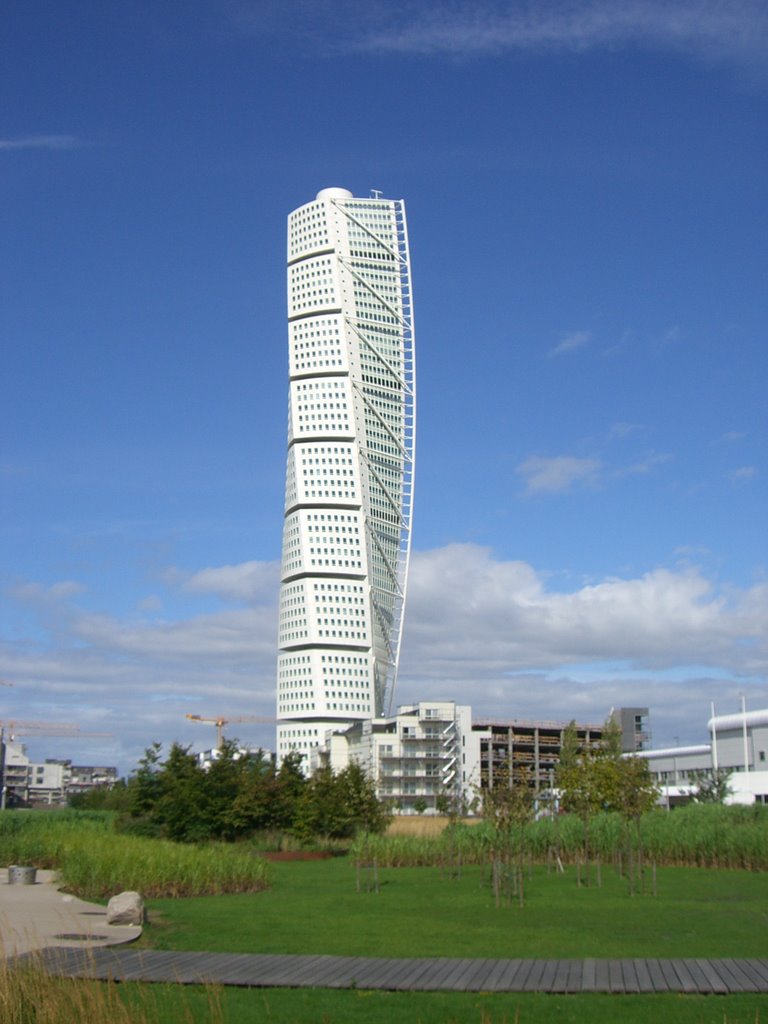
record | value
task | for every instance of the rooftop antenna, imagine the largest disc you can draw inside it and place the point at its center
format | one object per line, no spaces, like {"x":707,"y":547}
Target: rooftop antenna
{"x":376,"y":193}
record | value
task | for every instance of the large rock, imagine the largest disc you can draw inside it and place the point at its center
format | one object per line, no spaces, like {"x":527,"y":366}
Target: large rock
{"x":126,"y":908}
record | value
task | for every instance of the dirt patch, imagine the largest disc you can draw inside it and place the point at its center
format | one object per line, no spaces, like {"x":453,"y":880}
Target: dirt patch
{"x":421,"y":825}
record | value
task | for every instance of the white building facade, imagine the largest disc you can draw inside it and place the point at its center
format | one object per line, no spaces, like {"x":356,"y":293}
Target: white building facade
{"x":738,"y":744}
{"x":349,"y":474}
{"x":424,"y":759}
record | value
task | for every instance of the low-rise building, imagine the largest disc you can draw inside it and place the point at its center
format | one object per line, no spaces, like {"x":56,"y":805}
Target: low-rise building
{"x":738,"y":744}
{"x":28,"y":783}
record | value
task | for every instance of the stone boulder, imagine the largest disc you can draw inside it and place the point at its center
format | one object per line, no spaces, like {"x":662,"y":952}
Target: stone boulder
{"x":126,"y":908}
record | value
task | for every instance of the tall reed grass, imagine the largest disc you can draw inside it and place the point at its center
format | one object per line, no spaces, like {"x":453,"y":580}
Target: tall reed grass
{"x":29,"y":995}
{"x":698,"y":835}
{"x":95,"y":862}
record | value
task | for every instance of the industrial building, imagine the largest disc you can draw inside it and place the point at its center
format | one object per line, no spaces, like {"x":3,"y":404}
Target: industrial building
{"x":738,"y":744}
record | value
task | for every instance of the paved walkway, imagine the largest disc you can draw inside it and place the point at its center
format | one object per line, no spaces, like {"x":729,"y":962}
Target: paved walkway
{"x":39,"y":916}
{"x":413,"y":975}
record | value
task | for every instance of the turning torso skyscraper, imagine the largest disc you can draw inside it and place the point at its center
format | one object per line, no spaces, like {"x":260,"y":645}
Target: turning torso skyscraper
{"x":349,"y":475}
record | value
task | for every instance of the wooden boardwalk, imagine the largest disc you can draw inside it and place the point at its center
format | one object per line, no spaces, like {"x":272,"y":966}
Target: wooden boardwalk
{"x":712,"y":977}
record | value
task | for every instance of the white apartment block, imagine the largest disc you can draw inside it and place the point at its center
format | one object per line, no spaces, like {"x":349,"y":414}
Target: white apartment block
{"x":349,"y":474}
{"x":423,"y":759}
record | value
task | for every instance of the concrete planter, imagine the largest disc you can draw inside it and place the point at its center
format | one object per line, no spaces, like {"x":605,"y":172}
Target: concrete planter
{"x":21,"y":875}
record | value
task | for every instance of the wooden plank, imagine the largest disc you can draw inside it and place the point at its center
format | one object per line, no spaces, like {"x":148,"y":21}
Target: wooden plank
{"x":475,"y":980}
{"x":389,"y":974}
{"x":698,"y":975}
{"x":575,"y":974}
{"x":440,"y":969}
{"x":282,"y":972}
{"x":670,"y":975}
{"x":761,"y":968}
{"x":548,"y":975}
{"x":369,"y":972}
{"x":615,"y":976}
{"x":658,"y":979}
{"x":602,"y":976}
{"x":560,"y":980}
{"x":342,"y":973}
{"x":308,"y":971}
{"x":709,"y":968}
{"x":589,"y":975}
{"x":531,"y":983}
{"x":753,"y":974}
{"x":629,"y":976}
{"x":732,"y":981}
{"x":421,"y":982}
{"x":741,"y":978}
{"x":408,"y":973}
{"x":496,"y":973}
{"x":686,"y":980}
{"x":515,"y":972}
{"x":456,"y":981}
{"x":643,"y":975}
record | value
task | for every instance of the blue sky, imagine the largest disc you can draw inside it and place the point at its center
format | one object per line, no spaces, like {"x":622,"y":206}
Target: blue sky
{"x":586,"y":189}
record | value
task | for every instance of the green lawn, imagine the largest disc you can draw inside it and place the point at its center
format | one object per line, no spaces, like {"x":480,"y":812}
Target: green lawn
{"x":322,"y":1006}
{"x":313,"y":907}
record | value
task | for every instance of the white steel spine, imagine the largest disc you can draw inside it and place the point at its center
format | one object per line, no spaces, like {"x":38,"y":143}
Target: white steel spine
{"x":349,"y":480}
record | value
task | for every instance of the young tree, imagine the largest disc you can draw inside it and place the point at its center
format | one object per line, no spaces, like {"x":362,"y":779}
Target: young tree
{"x":712,"y":787}
{"x":508,"y":808}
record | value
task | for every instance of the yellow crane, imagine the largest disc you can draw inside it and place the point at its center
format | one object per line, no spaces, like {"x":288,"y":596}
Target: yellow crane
{"x":220,"y":722}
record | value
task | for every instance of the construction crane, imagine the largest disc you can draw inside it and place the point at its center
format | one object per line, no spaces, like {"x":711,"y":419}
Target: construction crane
{"x":221,"y":722}
{"x":12,"y":724}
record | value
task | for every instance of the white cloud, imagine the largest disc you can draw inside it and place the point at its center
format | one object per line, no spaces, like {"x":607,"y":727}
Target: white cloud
{"x":38,"y":593}
{"x":488,"y":632}
{"x":743,"y":473}
{"x":621,"y":430}
{"x":710,"y":29}
{"x":559,"y":473}
{"x":247,"y":581}
{"x":40,"y":142}
{"x":570,"y":342}
{"x":646,"y":464}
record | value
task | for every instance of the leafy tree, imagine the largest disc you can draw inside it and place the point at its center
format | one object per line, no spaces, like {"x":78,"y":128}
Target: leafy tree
{"x":220,"y":785}
{"x":338,"y":805}
{"x":262,"y":800}
{"x":712,"y":787}
{"x":181,"y":808}
{"x":144,"y":784}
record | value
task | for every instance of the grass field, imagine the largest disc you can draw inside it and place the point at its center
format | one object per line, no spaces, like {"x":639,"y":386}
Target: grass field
{"x":419,"y":912}
{"x":320,"y":1006}
{"x":314,"y":907}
